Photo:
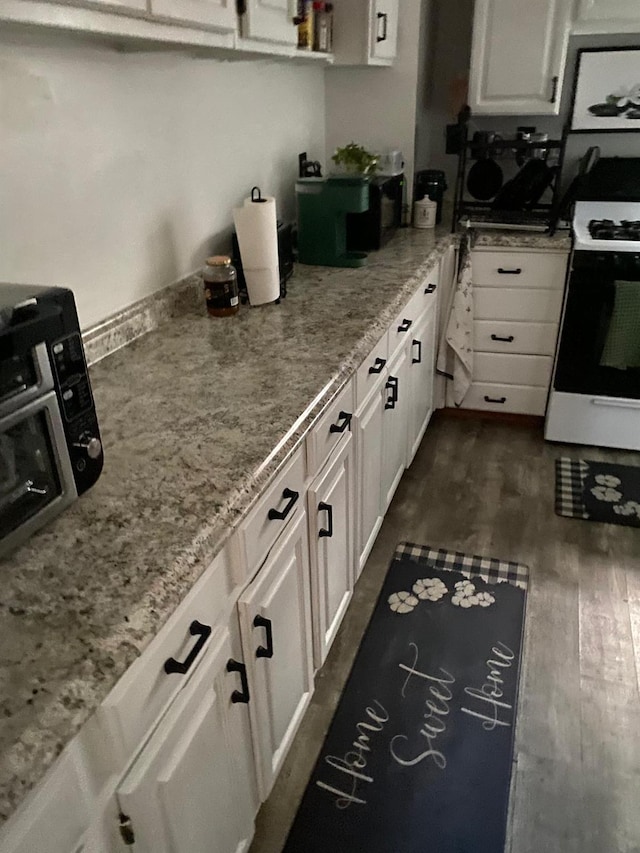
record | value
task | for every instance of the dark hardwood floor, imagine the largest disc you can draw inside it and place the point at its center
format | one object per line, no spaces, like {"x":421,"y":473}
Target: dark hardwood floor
{"x":487,"y":487}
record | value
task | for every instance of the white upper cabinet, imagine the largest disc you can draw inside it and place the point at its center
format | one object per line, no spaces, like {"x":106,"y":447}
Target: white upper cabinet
{"x":269,"y":20}
{"x":216,"y":14}
{"x":607,"y":16}
{"x":365,"y":32}
{"x":518,"y":56}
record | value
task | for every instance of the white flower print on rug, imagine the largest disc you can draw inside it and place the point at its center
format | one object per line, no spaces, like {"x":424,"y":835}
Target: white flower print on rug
{"x":466,"y":596}
{"x":598,"y":491}
{"x":402,"y":602}
{"x":430,"y":589}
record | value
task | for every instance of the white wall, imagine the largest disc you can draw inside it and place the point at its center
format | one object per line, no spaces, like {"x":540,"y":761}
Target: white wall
{"x":376,"y":107}
{"x":119,"y":171}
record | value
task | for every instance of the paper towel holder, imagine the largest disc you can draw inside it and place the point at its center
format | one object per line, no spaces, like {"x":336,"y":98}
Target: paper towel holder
{"x":259,"y":199}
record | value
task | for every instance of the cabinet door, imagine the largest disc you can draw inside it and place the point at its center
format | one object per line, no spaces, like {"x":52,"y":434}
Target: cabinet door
{"x":217,"y":14}
{"x":395,"y":423}
{"x":275,"y":622}
{"x":270,"y":20}
{"x":369,"y":458}
{"x":384,"y":29}
{"x":192,"y":788}
{"x":607,"y":16}
{"x":514,"y":74}
{"x":421,"y":369}
{"x":331,"y":526}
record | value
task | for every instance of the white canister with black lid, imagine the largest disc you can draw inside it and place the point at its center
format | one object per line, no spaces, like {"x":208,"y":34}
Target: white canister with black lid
{"x":424,"y":213}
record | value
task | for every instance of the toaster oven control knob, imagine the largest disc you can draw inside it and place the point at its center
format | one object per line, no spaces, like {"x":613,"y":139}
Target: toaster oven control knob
{"x":91,"y":444}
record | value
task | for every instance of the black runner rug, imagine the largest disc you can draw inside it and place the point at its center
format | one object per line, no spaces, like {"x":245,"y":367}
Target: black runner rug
{"x":418,"y":756}
{"x":598,"y":491}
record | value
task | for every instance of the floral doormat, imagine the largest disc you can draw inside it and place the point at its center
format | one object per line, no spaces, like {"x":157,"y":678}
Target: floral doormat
{"x":419,"y":753}
{"x":598,"y":491}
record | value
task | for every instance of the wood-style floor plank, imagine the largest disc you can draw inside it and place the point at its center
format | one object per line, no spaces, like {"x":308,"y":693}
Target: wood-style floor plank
{"x":488,"y":488}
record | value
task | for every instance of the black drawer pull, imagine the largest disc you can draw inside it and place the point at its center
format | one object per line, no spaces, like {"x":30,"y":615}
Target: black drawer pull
{"x":430,"y":288}
{"x":383,"y":37}
{"x":405,"y":325}
{"x":392,"y":385}
{"x":378,"y":365}
{"x":554,"y":90}
{"x":279,"y":515}
{"x":239,"y":695}
{"x":345,"y":417}
{"x":508,"y":340}
{"x":196,"y":629}
{"x":264,"y":651}
{"x":323,"y":507}
{"x":417,"y":360}
{"x":516,"y":271}
{"x":495,"y":399}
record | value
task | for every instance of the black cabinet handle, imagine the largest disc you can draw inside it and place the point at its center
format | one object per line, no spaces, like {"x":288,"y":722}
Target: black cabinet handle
{"x":291,"y":497}
{"x":383,"y":37}
{"x":405,"y":325}
{"x":392,"y":385}
{"x":417,"y":360}
{"x":345,"y":417}
{"x":239,"y":695}
{"x":431,"y":288}
{"x":495,"y":399}
{"x":554,"y":90}
{"x":264,"y":651}
{"x":323,"y":507}
{"x":516,"y":271}
{"x":378,"y":365}
{"x":196,"y":629}
{"x":508,"y":340}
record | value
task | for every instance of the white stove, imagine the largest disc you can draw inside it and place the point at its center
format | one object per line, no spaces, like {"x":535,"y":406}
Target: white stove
{"x":595,"y":393}
{"x":607,"y":226}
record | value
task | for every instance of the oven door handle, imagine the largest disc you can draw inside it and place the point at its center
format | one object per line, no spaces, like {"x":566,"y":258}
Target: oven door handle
{"x":616,"y":402}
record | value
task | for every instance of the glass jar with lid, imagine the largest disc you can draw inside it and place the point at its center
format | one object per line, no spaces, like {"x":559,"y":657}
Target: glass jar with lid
{"x":221,"y":286}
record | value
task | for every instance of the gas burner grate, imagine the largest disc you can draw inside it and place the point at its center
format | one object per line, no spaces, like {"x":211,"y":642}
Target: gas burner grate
{"x":607,"y":229}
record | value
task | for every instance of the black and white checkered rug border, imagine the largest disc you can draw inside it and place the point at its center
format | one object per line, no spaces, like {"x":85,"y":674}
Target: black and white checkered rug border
{"x":570,"y":477}
{"x":489,"y":569}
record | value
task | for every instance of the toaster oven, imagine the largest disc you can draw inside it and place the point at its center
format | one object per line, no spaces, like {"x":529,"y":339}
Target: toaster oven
{"x":50,"y":446}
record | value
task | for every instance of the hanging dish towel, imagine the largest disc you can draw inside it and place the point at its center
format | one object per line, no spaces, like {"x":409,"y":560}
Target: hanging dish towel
{"x":622,"y":347}
{"x":455,"y":356}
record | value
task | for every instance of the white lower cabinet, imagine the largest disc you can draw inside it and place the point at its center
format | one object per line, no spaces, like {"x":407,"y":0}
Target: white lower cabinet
{"x":369,"y":424}
{"x":395,"y":425}
{"x":275,"y":623}
{"x":331,"y":535}
{"x":421,"y":372}
{"x":192,"y":789}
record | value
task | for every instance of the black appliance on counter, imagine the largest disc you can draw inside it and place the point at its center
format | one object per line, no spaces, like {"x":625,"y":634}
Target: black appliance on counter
{"x":50,"y":448}
{"x":431,"y":184}
{"x":370,"y":230}
{"x":285,"y":260}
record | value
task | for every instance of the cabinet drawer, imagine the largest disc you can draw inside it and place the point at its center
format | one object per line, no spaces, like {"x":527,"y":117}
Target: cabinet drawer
{"x":141,"y":696}
{"x":331,"y":426}
{"x":511,"y":336}
{"x":519,"y":269}
{"x":517,"y":399}
{"x":512,"y":369}
{"x":283,"y":500}
{"x":371,"y":369}
{"x":509,"y":303}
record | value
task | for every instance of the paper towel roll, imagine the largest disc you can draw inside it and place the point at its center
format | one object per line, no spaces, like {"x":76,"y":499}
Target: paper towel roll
{"x":257,"y":230}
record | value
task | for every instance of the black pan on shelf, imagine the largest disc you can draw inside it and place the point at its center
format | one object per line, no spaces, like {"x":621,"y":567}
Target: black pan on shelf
{"x":484,"y":179}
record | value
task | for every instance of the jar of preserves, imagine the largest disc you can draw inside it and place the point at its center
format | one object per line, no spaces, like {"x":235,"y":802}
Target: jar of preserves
{"x":221,"y":286}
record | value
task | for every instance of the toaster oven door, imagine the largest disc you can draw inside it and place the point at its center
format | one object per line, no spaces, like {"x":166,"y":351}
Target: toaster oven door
{"x":36,"y":478}
{"x":25,"y":374}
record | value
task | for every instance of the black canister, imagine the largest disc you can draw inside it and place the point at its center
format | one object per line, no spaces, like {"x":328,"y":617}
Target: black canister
{"x":431,"y":183}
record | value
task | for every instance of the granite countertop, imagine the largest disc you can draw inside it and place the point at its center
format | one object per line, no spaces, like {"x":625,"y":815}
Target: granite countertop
{"x":190,"y":415}
{"x":493,"y":237}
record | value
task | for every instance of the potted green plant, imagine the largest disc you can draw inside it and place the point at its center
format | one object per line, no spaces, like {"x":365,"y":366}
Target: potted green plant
{"x":355,"y":160}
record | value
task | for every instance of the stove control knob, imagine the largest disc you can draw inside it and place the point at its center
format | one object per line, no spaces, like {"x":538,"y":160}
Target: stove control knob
{"x":91,"y":444}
